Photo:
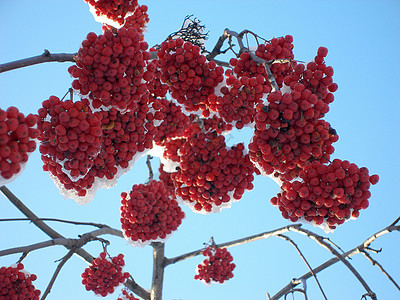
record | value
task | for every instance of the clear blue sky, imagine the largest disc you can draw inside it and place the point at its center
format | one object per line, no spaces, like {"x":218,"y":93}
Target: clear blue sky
{"x":363,"y":42}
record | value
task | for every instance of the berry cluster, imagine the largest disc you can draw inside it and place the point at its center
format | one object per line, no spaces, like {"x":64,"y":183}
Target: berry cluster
{"x":190,"y":77}
{"x":316,"y":77}
{"x":126,"y":295}
{"x":70,"y":136}
{"x":149,"y":213}
{"x":139,"y":19}
{"x":17,"y":140}
{"x":165,"y":177}
{"x":276,"y":49}
{"x":16,"y":283}
{"x":326,"y":193}
{"x":111,"y":69}
{"x":104,"y":274}
{"x":289,"y":132}
{"x":210,"y":175}
{"x":217,"y":267}
{"x":115,"y":10}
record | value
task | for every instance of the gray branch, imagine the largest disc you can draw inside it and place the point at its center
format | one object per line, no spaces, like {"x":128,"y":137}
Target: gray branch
{"x":158,"y":270}
{"x":45,"y":57}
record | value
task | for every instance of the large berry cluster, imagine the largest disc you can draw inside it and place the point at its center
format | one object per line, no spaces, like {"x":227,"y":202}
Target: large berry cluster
{"x":115,"y":10}
{"x":210,"y":174}
{"x":111,"y":69}
{"x":16,"y":283}
{"x":190,"y":77}
{"x":328,"y":194}
{"x":104,"y":274}
{"x":70,"y":136}
{"x":17,"y":140}
{"x":217,"y":267}
{"x":149,"y":213}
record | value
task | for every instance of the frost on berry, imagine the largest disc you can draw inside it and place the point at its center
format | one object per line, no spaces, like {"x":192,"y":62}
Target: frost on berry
{"x":217,"y":267}
{"x":16,"y":283}
{"x":325,"y":195}
{"x":18,"y":136}
{"x":149,"y":213}
{"x":104,"y":274}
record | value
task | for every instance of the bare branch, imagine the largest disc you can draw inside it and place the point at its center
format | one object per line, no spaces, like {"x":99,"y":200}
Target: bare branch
{"x":67,"y":243}
{"x":332,"y":261}
{"x":248,"y":239}
{"x":57,"y":220}
{"x":306,"y":262}
{"x":148,"y":163}
{"x":54,"y":277}
{"x":158,"y":270}
{"x":375,"y":262}
{"x":45,"y":57}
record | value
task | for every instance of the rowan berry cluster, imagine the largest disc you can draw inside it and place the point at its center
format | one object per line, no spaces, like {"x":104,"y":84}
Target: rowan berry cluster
{"x":115,"y":10}
{"x":111,"y":69}
{"x":329,"y":194}
{"x":126,"y":295}
{"x":217,"y":267}
{"x":17,"y":141}
{"x":70,"y":136}
{"x":210,"y":175}
{"x":16,"y":283}
{"x":104,"y":274}
{"x":149,"y":213}
{"x":191,"y":79}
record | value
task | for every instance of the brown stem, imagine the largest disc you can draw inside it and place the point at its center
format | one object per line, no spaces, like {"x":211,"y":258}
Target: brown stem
{"x":158,"y":270}
{"x":45,"y":57}
{"x":57,"y":220}
{"x":148,"y":163}
{"x":130,"y":284}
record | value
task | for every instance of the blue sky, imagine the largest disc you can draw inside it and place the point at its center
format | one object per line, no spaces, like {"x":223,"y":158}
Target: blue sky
{"x":363,"y":43}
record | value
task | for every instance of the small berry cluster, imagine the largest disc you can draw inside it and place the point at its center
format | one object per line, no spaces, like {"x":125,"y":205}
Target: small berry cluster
{"x":126,"y":295}
{"x":275,"y":49}
{"x":115,"y":10}
{"x":326,"y":193}
{"x":111,"y":69}
{"x":190,"y":77}
{"x":104,"y":274}
{"x":17,"y":140}
{"x":165,"y":177}
{"x":70,"y":136}
{"x":16,"y":283}
{"x":149,"y":213}
{"x":210,"y":175}
{"x":139,"y":19}
{"x":217,"y":267}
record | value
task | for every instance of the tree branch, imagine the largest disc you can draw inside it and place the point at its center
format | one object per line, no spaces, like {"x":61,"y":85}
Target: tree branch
{"x":57,"y":220}
{"x":305,"y":260}
{"x":130,"y":284}
{"x":332,"y":261}
{"x":158,"y":270}
{"x":67,"y":243}
{"x":46,"y":56}
{"x":375,"y":262}
{"x":263,"y":235}
{"x":54,"y":277}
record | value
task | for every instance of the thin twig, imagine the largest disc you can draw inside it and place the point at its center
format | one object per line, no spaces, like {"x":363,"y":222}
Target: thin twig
{"x":57,"y":271}
{"x":305,"y":261}
{"x":375,"y":262}
{"x":148,"y":163}
{"x":57,"y":220}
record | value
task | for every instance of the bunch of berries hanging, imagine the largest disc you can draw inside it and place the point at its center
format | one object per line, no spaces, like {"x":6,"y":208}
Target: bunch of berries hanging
{"x":104,"y":274}
{"x":217,"y":267}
